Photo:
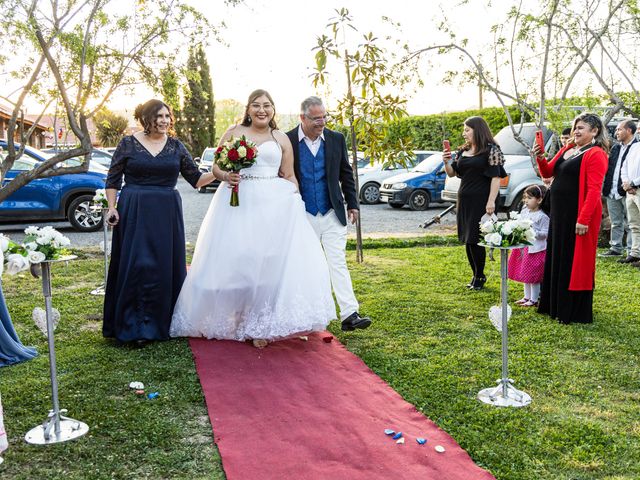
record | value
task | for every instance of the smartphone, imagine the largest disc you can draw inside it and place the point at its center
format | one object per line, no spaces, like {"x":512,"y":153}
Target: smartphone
{"x":540,"y":140}
{"x":446,"y":146}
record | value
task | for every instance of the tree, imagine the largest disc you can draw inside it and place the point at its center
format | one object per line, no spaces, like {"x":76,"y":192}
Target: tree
{"x":78,"y":54}
{"x":369,"y":111}
{"x":198,"y":113}
{"x":228,"y":112}
{"x":545,"y":55}
{"x":110,"y":127}
{"x":169,"y":88}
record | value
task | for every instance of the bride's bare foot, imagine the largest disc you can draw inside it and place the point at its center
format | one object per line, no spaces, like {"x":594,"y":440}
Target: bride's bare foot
{"x":260,"y":342}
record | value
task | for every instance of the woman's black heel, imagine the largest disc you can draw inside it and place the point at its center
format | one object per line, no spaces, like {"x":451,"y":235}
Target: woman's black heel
{"x":471,"y":283}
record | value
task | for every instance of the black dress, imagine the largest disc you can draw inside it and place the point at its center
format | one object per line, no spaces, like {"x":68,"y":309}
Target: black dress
{"x":148,"y":263}
{"x":475,"y":173}
{"x":556,"y":299}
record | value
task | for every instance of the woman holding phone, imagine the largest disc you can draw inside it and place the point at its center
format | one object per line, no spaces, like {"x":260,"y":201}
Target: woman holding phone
{"x":575,"y":202}
{"x":479,"y":165}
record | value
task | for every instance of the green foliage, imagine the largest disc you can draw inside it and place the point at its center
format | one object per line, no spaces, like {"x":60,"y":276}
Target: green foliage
{"x":130,"y":436}
{"x":197,"y":120}
{"x":428,"y":131}
{"x":110,"y":127}
{"x":431,"y":341}
{"x":367,"y":106}
{"x":228,"y":112}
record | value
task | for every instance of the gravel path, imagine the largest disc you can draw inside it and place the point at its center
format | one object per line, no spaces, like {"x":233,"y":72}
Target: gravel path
{"x":378,"y":221}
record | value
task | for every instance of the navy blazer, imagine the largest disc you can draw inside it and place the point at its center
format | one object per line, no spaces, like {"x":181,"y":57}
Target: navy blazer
{"x":342,"y":186}
{"x":613,"y":160}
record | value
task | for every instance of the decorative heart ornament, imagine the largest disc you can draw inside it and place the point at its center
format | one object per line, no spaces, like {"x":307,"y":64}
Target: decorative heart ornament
{"x":495,"y":315}
{"x":40,"y":319}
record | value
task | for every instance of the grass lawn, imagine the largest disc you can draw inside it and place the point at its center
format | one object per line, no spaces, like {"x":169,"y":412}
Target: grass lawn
{"x":431,"y":341}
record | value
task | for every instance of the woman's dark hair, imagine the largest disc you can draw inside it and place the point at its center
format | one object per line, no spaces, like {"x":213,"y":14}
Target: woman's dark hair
{"x":535,"y":191}
{"x":146,"y":113}
{"x":482,"y":136}
{"x":602,"y":136}
{"x":246,"y":119}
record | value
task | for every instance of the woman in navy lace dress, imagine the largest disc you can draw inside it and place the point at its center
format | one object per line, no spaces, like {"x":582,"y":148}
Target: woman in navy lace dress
{"x":148,"y":263}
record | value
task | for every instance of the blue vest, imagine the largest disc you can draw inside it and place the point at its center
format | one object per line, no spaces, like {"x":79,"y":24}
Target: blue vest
{"x":313,"y":179}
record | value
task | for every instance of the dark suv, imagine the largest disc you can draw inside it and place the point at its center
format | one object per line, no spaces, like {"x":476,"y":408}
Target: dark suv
{"x":64,"y":197}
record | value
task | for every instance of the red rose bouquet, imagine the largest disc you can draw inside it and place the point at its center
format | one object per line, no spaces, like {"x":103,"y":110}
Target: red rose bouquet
{"x":233,"y":156}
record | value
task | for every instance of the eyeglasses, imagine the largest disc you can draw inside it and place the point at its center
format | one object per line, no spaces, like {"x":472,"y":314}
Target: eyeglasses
{"x":323,"y":119}
{"x":265,"y":106}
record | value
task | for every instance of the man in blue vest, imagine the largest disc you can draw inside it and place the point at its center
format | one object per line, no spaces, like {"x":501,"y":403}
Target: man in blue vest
{"x":326,"y":183}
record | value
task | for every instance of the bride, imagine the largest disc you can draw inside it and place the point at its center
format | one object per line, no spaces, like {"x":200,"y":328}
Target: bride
{"x":258,"y":272}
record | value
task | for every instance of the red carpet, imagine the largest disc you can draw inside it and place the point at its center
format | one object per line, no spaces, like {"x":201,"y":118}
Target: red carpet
{"x":314,"y":411}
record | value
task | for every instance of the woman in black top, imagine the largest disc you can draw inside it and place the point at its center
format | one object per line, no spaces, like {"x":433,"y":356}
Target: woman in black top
{"x":479,"y":164}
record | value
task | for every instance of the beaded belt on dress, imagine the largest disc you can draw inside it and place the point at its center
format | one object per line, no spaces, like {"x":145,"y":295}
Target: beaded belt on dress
{"x":257,"y":177}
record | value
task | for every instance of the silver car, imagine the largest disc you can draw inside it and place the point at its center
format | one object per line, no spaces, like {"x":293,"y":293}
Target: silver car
{"x":517,"y":164}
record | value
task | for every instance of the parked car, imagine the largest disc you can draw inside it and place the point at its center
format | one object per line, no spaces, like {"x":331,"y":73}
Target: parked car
{"x":205,"y":162}
{"x":517,"y":164}
{"x":371,"y":177}
{"x":418,"y":188}
{"x":64,"y":197}
{"x":100,"y":159}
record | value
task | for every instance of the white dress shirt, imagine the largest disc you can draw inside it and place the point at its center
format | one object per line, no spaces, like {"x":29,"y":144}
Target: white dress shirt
{"x":314,"y":145}
{"x":630,"y":171}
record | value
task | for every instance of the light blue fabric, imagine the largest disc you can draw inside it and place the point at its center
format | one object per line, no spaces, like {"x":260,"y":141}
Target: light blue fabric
{"x":11,"y":350}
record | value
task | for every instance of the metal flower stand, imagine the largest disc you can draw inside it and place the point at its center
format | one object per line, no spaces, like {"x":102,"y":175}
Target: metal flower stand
{"x":56,"y":428}
{"x":105,"y":230}
{"x":505,"y":394}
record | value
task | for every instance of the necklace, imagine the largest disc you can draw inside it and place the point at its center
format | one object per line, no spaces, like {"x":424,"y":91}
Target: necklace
{"x":579,"y":151}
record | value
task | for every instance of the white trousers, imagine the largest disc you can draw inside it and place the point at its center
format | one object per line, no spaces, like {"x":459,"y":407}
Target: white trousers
{"x":333,"y":237}
{"x":633,"y":217}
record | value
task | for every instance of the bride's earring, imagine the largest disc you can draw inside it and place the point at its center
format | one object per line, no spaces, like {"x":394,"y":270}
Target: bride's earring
{"x":248,"y":119}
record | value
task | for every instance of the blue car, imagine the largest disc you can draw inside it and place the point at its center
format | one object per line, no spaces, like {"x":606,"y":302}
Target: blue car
{"x":65,"y":197}
{"x":418,"y":188}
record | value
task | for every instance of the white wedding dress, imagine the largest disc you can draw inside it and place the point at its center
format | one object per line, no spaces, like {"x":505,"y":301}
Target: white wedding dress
{"x":258,"y":271}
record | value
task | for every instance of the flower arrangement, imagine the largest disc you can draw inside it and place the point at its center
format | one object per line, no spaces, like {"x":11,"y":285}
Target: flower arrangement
{"x":39,"y":244}
{"x":233,"y":156}
{"x":508,"y":233}
{"x":100,"y":198}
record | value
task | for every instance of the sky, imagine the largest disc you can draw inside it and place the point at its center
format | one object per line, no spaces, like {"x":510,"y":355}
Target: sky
{"x":268,"y":44}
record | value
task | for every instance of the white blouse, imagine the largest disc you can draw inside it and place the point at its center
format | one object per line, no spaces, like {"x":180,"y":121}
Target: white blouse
{"x":540,"y":226}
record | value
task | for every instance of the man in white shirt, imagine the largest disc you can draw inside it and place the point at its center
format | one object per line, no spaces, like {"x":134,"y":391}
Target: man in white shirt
{"x":630,"y":175}
{"x":613,"y":192}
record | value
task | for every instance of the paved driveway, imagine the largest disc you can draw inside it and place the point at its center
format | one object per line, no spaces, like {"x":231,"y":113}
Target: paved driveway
{"x":377,"y":221}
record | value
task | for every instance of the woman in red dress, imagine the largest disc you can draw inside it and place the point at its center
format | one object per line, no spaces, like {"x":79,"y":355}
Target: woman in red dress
{"x":576,"y":210}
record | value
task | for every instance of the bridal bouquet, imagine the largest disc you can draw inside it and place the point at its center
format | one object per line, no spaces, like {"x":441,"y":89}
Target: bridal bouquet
{"x":508,"y":233}
{"x":233,"y":156}
{"x":39,"y":244}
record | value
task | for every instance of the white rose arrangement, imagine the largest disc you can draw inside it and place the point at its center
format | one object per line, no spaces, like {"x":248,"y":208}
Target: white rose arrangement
{"x":508,"y":233}
{"x":39,"y":244}
{"x":100,"y":198}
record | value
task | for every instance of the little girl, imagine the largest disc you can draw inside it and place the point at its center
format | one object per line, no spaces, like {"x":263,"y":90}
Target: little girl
{"x":527,"y":265}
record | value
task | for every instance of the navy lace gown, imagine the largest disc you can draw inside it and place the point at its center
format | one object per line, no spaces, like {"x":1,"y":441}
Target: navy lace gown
{"x":148,"y":264}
